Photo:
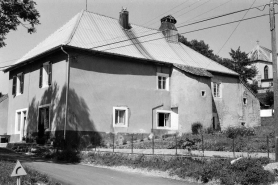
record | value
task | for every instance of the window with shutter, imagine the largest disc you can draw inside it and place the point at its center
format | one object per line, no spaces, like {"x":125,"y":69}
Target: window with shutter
{"x":49,"y":73}
{"x":21,"y":82}
{"x":40,"y":83}
{"x":14,"y":85}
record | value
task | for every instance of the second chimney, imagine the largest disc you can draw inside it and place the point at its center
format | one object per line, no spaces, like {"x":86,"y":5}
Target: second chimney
{"x":169,"y":29}
{"x":123,"y":20}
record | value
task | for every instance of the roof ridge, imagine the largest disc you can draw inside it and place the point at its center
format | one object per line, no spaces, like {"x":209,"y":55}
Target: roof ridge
{"x":75,"y":27}
{"x":117,"y":20}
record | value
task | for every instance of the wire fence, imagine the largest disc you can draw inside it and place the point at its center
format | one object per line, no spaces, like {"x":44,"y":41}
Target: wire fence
{"x":206,"y":145}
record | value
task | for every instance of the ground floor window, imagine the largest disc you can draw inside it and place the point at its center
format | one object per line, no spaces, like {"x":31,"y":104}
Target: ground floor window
{"x":164,"y":119}
{"x":120,"y":116}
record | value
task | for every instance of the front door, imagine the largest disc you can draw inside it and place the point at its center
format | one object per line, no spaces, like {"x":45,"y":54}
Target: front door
{"x":43,"y":121}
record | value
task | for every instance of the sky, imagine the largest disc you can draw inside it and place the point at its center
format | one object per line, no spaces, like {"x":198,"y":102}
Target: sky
{"x":55,"y":13}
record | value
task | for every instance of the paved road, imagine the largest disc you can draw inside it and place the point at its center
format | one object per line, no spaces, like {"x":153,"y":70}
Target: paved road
{"x":71,"y":174}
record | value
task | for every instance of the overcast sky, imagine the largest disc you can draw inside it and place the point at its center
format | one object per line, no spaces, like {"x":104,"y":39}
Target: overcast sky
{"x":55,"y":13}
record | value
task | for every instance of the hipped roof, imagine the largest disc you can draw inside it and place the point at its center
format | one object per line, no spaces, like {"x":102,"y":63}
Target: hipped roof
{"x":260,"y":53}
{"x":95,"y":32}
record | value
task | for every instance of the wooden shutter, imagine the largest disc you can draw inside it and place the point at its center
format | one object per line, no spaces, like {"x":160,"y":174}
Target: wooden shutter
{"x":22,"y":83}
{"x":14,"y":85}
{"x":40,"y":84}
{"x":49,"y":73}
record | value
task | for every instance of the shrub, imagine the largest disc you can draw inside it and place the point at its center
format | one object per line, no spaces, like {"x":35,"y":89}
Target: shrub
{"x":68,"y":155}
{"x":196,"y":128}
{"x":234,"y":132}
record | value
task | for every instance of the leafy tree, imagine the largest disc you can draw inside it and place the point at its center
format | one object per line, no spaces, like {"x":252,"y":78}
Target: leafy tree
{"x":269,"y":98}
{"x":199,"y":46}
{"x":242,"y":65}
{"x":17,"y":12}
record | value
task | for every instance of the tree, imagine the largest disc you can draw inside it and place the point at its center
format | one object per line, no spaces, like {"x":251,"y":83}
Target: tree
{"x":242,"y":65}
{"x":199,"y":46}
{"x":269,"y":98}
{"x":17,"y":12}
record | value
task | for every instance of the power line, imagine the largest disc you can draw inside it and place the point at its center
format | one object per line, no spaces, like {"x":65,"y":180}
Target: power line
{"x":222,"y":15}
{"x":215,"y":17}
{"x":196,"y":30}
{"x":158,"y":32}
{"x":193,"y":9}
{"x":235,"y":28}
{"x":208,"y":11}
{"x":165,"y":12}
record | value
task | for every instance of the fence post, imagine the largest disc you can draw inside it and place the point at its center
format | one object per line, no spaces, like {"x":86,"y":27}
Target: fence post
{"x":132,"y":143}
{"x":113,"y":141}
{"x":234,"y":147}
{"x":95,"y":142}
{"x":176,"y":144}
{"x":267,"y":145}
{"x":203,"y":145}
{"x":153,"y":143}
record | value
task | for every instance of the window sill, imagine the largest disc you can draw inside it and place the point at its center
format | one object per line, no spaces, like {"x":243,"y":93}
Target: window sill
{"x":44,"y":86}
{"x":163,"y":90}
{"x":121,"y":126}
{"x":164,"y":128}
{"x":18,"y":94}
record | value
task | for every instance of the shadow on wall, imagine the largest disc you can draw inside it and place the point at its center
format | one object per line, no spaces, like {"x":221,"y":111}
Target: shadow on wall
{"x":80,"y":128}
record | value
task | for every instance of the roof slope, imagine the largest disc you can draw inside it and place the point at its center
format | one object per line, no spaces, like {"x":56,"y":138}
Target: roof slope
{"x":92,"y":31}
{"x":260,"y":53}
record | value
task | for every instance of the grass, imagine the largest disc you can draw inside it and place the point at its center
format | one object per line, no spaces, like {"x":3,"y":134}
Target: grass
{"x":247,"y":171}
{"x":32,"y":176}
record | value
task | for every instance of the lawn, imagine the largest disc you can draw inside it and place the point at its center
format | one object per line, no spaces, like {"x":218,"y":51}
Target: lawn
{"x":32,"y":176}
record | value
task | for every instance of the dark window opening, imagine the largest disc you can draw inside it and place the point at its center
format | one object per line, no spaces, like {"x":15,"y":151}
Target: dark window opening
{"x":164,"y":120}
{"x":245,"y":101}
{"x":203,"y":93}
{"x":266,"y":72}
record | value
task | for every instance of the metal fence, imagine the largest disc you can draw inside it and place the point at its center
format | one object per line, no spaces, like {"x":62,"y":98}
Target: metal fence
{"x":206,"y":145}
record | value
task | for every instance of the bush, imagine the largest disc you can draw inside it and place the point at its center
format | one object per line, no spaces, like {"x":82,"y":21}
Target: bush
{"x":245,"y":171}
{"x":234,"y":132}
{"x":196,"y":128}
{"x":68,"y":155}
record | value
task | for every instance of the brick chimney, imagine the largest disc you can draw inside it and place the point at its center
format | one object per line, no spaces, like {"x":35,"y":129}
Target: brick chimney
{"x":168,"y":28}
{"x":123,"y":20}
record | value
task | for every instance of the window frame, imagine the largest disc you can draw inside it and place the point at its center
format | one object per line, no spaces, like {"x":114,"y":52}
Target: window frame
{"x":45,"y":78}
{"x":157,"y":117}
{"x":38,"y":118}
{"x":19,"y":84}
{"x":167,"y":86}
{"x":126,"y":116}
{"x":21,"y":120}
{"x":219,"y":89}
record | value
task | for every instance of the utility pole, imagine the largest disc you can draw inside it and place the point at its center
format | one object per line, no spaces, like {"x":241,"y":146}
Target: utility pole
{"x":275,"y":75}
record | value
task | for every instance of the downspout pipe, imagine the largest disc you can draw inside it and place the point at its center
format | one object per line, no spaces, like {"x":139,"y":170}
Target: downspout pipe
{"x":67,"y":91}
{"x":152,"y":113}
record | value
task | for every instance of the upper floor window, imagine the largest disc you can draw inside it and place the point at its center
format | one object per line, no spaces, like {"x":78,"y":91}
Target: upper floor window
{"x":266,"y":72}
{"x":163,"y":81}
{"x":217,"y":91}
{"x":45,"y":74}
{"x":18,"y":84}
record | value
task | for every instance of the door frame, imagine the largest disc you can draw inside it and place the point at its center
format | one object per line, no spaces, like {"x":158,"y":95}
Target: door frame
{"x":20,"y":132}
